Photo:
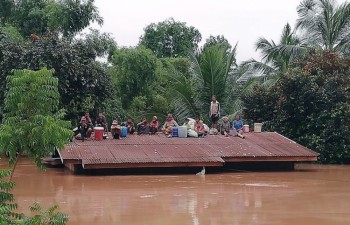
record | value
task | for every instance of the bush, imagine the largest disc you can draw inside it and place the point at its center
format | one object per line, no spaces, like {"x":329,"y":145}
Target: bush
{"x":310,"y":104}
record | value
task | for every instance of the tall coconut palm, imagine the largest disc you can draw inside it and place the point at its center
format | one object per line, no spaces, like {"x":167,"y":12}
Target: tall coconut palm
{"x":276,"y":58}
{"x":209,"y":76}
{"x":325,"y":24}
{"x":211,"y":70}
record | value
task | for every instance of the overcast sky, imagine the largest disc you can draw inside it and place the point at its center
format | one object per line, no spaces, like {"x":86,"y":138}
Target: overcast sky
{"x":242,"y":21}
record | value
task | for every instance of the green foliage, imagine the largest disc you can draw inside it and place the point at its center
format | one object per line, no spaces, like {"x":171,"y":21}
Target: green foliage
{"x":102,"y":43}
{"x":218,"y":40}
{"x":170,"y":38}
{"x":276,"y":58}
{"x":45,"y":217}
{"x":133,"y":71}
{"x":212,"y":74}
{"x":310,"y":104}
{"x":80,"y":76}
{"x":190,"y":95}
{"x":32,"y":123}
{"x":184,"y":98}
{"x":41,"y":16}
{"x":181,"y":64}
{"x":160,"y":104}
{"x":6,"y":8}
{"x":7,"y":204}
{"x":326,"y":24}
{"x":12,"y":34}
{"x":112,"y":109}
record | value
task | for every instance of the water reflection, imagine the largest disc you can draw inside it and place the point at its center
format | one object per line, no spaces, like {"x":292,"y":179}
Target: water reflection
{"x":317,"y":195}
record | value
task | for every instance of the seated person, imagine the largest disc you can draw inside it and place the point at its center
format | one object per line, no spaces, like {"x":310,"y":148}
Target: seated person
{"x":116,"y":130}
{"x":167,"y":128}
{"x":130,"y":126}
{"x":142,"y":126}
{"x":225,"y":126}
{"x":84,"y":130}
{"x":101,"y":121}
{"x":199,"y":127}
{"x":153,"y":125}
{"x":238,"y":126}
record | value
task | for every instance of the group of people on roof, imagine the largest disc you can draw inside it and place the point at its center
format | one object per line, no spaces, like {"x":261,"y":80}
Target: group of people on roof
{"x":195,"y":127}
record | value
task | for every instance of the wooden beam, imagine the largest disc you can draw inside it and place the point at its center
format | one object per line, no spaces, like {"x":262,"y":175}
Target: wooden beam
{"x":149,"y":165}
{"x":271,"y":159}
{"x":71,"y":161}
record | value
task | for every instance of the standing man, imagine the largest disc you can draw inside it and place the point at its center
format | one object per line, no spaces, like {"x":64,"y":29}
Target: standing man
{"x":214,"y":112}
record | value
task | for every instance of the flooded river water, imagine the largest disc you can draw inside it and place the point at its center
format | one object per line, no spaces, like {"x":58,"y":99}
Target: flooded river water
{"x":311,"y":195}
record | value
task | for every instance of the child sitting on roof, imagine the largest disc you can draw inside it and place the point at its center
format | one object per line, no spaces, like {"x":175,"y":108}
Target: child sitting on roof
{"x":225,"y":126}
{"x":115,"y":129}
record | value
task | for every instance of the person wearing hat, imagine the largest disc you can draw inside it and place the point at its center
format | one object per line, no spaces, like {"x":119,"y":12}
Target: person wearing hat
{"x":153,"y":125}
{"x":115,"y":130}
{"x":84,"y":129}
{"x":168,"y":125}
{"x":225,"y":126}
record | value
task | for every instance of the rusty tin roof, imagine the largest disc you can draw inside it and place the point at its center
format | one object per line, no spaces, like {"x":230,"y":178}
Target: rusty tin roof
{"x":157,"y":150}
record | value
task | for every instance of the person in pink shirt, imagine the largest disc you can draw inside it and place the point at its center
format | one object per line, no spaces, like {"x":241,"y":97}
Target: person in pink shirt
{"x":199,"y":127}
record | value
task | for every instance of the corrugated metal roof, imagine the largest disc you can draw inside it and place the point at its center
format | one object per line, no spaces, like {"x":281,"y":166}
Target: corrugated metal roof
{"x":136,"y":149}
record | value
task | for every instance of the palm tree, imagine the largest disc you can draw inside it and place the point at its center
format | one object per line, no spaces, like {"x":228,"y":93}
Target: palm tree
{"x":276,"y":58}
{"x":210,"y":75}
{"x":325,"y":24}
{"x":211,"y":70}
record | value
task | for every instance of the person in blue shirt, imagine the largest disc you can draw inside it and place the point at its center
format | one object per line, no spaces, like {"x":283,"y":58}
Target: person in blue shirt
{"x":238,"y":126}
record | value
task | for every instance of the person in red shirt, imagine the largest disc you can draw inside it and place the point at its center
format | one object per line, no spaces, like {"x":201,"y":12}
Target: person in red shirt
{"x":153,"y":126}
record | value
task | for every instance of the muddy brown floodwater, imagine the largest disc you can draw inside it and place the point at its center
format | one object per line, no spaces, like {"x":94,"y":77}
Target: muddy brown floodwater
{"x":313,"y":194}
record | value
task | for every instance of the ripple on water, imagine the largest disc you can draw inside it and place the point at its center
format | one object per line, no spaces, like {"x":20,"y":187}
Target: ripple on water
{"x":147,"y":196}
{"x":264,"y":185}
